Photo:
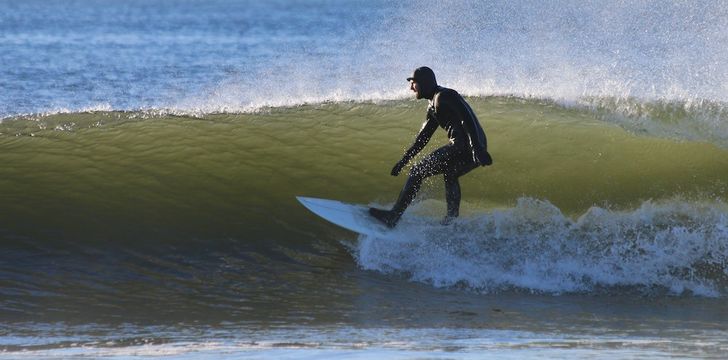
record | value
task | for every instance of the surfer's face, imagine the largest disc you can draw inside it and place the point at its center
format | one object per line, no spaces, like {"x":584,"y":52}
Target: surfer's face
{"x":414,"y":86}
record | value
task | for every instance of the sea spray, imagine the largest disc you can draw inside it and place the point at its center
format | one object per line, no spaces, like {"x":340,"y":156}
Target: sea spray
{"x":244,"y":59}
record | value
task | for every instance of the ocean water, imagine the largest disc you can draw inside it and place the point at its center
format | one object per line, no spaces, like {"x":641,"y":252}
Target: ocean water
{"x":151,"y":152}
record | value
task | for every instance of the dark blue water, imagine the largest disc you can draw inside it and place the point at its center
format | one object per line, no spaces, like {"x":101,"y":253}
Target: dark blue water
{"x":92,"y":54}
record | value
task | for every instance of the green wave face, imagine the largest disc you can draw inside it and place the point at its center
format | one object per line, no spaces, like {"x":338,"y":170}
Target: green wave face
{"x":128,"y":162}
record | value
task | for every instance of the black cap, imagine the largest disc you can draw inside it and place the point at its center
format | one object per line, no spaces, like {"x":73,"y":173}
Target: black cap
{"x":423,"y":74}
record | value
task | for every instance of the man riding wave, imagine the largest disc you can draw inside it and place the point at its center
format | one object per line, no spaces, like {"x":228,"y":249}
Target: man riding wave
{"x":466,"y":150}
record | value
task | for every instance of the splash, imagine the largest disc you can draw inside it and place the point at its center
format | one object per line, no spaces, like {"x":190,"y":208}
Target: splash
{"x":240,"y":57}
{"x":674,"y":247}
{"x":633,"y":63}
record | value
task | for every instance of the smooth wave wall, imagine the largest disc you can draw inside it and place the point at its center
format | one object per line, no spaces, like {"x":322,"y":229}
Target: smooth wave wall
{"x":234,"y":170}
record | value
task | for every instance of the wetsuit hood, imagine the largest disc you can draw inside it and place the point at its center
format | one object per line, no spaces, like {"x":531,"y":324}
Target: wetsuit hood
{"x":425,"y":79}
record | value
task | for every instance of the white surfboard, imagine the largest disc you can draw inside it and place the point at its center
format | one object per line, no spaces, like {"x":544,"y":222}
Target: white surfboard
{"x":349,"y":216}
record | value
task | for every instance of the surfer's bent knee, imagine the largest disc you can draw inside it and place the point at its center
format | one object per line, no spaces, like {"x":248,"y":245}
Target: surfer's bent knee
{"x":419,"y":171}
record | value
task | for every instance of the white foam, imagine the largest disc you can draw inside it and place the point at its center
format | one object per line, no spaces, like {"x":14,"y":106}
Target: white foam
{"x":678,"y":247}
{"x":390,"y":343}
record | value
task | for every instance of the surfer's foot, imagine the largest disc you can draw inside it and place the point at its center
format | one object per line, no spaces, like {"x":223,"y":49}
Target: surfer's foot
{"x":388,"y":217}
{"x":447,"y":220}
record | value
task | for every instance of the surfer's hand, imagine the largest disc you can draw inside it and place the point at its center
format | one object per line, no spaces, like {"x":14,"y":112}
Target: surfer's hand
{"x":398,"y":167}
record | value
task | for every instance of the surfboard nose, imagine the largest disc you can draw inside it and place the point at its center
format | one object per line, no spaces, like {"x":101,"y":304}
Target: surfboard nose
{"x":352,"y":217}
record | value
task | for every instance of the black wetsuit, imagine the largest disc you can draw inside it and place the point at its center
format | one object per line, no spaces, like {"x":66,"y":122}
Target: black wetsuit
{"x":467,"y":149}
{"x":468,"y":145}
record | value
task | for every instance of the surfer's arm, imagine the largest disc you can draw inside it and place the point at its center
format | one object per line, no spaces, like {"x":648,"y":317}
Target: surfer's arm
{"x":423,"y":137}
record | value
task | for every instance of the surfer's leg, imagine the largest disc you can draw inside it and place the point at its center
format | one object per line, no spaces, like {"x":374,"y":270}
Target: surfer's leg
{"x":432,"y":164}
{"x":452,"y":196}
{"x":409,"y":191}
{"x":459,"y":166}
{"x":406,"y":196}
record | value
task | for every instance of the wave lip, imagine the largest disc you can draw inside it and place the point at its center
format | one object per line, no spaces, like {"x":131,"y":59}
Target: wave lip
{"x":694,"y":120}
{"x":674,"y":248}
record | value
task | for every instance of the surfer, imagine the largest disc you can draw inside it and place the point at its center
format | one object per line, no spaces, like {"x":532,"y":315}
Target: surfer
{"x":466,"y":150}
